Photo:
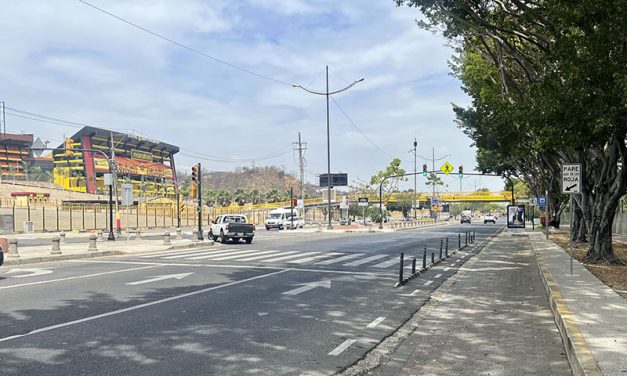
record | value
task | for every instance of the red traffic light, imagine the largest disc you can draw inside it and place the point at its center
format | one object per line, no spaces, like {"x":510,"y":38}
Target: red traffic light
{"x":295,"y":201}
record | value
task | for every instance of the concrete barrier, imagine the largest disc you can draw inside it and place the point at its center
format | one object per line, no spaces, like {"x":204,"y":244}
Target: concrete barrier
{"x":92,"y":243}
{"x":178,"y":233}
{"x":62,"y":237}
{"x":56,"y":245}
{"x":166,"y":238}
{"x":13,"y":248}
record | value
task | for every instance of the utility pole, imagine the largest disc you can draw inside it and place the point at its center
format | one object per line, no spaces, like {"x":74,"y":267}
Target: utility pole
{"x":415,"y":175}
{"x":4,"y":121}
{"x":199,"y":208}
{"x":301,"y":147}
{"x":114,"y":175}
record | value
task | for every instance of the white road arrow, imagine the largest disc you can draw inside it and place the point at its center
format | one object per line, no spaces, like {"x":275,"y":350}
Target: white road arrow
{"x":309,"y":286}
{"x":31,"y":272}
{"x":160,"y":278}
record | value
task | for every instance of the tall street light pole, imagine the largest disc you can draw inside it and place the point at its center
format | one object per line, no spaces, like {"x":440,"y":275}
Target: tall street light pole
{"x":415,"y":174}
{"x":327,"y":94}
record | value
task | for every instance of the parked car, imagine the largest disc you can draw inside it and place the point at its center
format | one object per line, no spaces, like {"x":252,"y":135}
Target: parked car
{"x":489,"y":218}
{"x":231,"y":226}
{"x":465,"y":219}
{"x":284,"y":218}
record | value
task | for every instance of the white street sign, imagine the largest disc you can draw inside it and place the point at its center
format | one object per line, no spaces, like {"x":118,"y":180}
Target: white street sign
{"x":127,"y":194}
{"x":309,"y":286}
{"x":31,"y":272}
{"x":160,"y":278}
{"x":571,"y":178}
{"x":344,"y":202}
{"x":533,"y":201}
{"x":362,"y":201}
{"x":108,"y":179}
{"x":300,"y":204}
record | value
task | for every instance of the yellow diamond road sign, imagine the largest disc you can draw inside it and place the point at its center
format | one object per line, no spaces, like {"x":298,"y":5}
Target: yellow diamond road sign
{"x":447,"y":168}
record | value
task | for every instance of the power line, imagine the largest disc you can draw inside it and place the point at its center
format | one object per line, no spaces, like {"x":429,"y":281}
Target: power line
{"x":359,"y":130}
{"x":181,"y":45}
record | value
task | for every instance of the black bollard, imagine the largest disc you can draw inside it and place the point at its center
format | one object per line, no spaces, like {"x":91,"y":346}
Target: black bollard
{"x":413,"y":266}
{"x":441,"y":245}
{"x":446,"y":250}
{"x":424,"y":259}
{"x":400,"y":272}
{"x":433,"y":257}
{"x":466,"y":237}
{"x":459,"y":241}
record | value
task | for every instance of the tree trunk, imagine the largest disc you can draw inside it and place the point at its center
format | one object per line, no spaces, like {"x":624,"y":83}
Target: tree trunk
{"x":577,"y":221}
{"x":600,"y":249}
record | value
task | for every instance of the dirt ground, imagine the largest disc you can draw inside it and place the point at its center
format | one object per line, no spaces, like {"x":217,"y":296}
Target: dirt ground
{"x":615,"y":275}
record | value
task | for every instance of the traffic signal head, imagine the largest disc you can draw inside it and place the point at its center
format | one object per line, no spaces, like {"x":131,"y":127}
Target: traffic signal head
{"x":295,"y":201}
{"x":424,"y":169}
{"x":461,"y":171}
{"x":68,"y":145}
{"x":194,"y":173}
{"x":192,"y":191}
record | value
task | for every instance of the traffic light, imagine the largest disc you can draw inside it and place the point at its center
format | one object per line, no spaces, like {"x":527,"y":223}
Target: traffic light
{"x":194,"y":174}
{"x":461,"y":171}
{"x":192,"y":191}
{"x":295,"y":202}
{"x":424,"y":169}
{"x":68,"y":146}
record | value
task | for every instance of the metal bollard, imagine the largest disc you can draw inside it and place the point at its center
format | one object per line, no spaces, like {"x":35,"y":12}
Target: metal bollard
{"x":166,"y":238}
{"x":433,"y":257}
{"x":474,"y":236}
{"x":441,"y":245}
{"x":459,"y":241}
{"x":62,"y":237}
{"x":400,"y":272}
{"x":92,"y":243}
{"x":56,"y":247}
{"x":100,"y":237}
{"x":178,"y":233}
{"x":424,"y":259}
{"x":413,"y":266}
{"x":13,"y":248}
{"x":466,"y":237}
{"x":446,"y":249}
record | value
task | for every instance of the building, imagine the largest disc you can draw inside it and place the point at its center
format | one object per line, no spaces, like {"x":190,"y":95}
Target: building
{"x":147,"y":164}
{"x":15,"y":154}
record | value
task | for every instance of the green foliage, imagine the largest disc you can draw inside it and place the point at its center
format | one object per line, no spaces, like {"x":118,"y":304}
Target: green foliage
{"x":389,"y":184}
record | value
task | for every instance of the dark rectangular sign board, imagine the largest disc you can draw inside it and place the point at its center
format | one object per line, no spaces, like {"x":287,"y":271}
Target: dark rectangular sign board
{"x":516,"y":216}
{"x":337,"y":180}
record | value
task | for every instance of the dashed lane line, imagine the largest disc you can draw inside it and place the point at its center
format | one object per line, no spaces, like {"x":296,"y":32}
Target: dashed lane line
{"x":438,"y":276}
{"x":428,"y":283}
{"x":342,"y":347}
{"x":376,"y":322}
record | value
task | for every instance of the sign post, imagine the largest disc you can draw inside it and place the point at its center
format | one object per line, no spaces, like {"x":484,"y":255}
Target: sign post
{"x":571,"y":184}
{"x":108,"y":180}
{"x":533,"y":201}
{"x":363,"y":202}
{"x":127,"y":200}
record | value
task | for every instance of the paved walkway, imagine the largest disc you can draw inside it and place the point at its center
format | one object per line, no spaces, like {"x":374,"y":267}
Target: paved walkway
{"x":493,"y":320}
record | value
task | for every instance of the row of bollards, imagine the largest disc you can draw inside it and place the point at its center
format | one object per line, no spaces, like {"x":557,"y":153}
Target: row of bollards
{"x":443,"y":254}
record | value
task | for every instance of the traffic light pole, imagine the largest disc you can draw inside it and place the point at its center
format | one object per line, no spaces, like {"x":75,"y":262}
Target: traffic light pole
{"x":199,"y":209}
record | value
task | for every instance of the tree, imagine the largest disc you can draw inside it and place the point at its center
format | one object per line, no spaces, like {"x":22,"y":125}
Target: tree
{"x":547,"y":80}
{"x":382,"y":178}
{"x":239,"y":196}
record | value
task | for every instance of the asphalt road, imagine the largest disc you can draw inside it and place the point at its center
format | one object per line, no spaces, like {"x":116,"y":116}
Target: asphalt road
{"x":288,"y":304}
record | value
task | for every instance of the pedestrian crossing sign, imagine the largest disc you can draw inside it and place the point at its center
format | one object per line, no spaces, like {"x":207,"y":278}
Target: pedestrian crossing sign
{"x":447,"y":168}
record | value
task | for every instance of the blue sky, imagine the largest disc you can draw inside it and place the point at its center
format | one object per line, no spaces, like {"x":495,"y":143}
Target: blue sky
{"x":67,"y":60}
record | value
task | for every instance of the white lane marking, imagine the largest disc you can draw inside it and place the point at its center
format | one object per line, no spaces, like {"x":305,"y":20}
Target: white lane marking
{"x":309,"y":286}
{"x":447,"y":269}
{"x":312,"y":258}
{"x":388,"y":263}
{"x":376,"y":322}
{"x":197,"y":253}
{"x":438,"y":276}
{"x":160,"y":278}
{"x":79,"y":277}
{"x":456,"y":261}
{"x":258,"y":255}
{"x":140,"y":306}
{"x":367,"y":259}
{"x":273,"y":254}
{"x":453,"y":264}
{"x":290,"y":256}
{"x":171,"y":252}
{"x":235,"y":255}
{"x":228,"y":252}
{"x":242,"y":266}
{"x":31,"y":272}
{"x":428,"y":283}
{"x":339,"y":259}
{"x":343,"y":346}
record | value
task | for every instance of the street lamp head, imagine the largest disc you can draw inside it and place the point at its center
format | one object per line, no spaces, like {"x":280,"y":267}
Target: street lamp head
{"x":295,"y":85}
{"x":361,"y":79}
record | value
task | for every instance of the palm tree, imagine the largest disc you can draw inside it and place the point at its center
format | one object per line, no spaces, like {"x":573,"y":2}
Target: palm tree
{"x":254,"y":196}
{"x":239,"y":196}
{"x":273,"y":196}
{"x":224,"y":197}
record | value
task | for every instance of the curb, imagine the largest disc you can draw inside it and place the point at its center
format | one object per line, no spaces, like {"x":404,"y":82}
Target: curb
{"x":580,"y":357}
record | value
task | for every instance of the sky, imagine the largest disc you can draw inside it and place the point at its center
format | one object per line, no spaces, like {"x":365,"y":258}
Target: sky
{"x":224,"y":93}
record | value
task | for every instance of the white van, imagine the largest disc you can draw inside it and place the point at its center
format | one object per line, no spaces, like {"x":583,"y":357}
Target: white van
{"x":283,"y":218}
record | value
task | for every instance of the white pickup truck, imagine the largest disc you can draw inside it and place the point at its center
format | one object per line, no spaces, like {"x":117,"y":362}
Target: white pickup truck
{"x":231,"y":226}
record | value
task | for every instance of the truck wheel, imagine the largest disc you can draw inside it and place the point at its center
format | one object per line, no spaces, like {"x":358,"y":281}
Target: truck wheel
{"x":267,"y":228}
{"x":281,"y":227}
{"x":222,"y":238}
{"x":249,"y":240}
{"x":211,"y":236}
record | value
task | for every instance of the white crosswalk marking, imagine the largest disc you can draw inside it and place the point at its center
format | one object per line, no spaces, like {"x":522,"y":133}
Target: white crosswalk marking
{"x":236,"y":255}
{"x":366,"y":260}
{"x":169,"y":252}
{"x":281,"y":258}
{"x":438,"y":276}
{"x":428,"y":283}
{"x":264,"y":254}
{"x":387,"y":263}
{"x":312,"y":258}
{"x":447,"y":269}
{"x":230,"y":252}
{"x":191,"y":254}
{"x":339,"y":259}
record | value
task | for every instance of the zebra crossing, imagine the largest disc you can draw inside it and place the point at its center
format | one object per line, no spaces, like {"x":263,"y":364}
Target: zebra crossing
{"x":345,"y":259}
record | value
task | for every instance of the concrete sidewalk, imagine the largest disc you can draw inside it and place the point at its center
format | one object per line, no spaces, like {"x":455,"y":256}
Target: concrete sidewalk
{"x":121,"y":246}
{"x":491,"y":318}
